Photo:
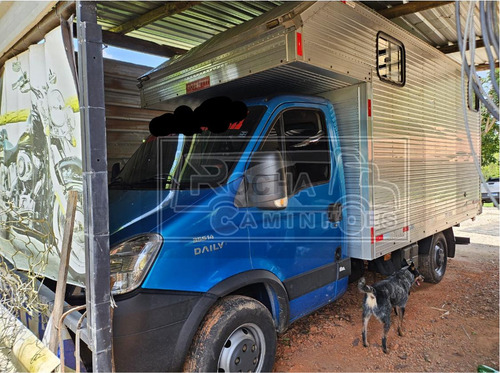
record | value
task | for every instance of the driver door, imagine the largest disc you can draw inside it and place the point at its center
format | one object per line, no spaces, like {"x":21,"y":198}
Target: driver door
{"x":299,"y":243}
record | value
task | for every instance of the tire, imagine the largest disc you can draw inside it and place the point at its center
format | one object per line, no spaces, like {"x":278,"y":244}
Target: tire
{"x":432,"y":265}
{"x":357,"y":270}
{"x":237,"y":334}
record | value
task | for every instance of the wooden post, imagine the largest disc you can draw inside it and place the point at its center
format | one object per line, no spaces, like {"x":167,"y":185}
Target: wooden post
{"x":63,"y":269}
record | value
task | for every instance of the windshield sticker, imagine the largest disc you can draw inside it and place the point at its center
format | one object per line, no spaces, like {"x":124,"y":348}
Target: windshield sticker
{"x":236,"y":125}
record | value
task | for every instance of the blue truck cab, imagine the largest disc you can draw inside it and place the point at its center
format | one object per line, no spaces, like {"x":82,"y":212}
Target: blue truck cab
{"x":218,"y":240}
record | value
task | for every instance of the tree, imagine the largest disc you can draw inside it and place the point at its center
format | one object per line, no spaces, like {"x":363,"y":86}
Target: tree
{"x":490,"y":130}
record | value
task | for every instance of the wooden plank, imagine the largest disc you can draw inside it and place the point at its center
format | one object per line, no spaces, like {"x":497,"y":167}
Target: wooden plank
{"x":122,"y":99}
{"x":454,"y":48}
{"x":124,"y":69}
{"x":127,"y":125}
{"x":485,"y":66}
{"x":57,"y":311}
{"x":122,"y":151}
{"x":169,"y":9}
{"x":411,"y":7}
{"x":129,"y":113}
{"x":125,"y":85}
{"x":127,"y":137}
{"x":139,"y":45}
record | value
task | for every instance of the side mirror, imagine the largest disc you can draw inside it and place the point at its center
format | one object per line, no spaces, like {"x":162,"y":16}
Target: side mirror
{"x":115,"y":170}
{"x":264,"y":185}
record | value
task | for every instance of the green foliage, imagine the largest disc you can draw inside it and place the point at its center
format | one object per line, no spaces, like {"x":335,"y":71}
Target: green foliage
{"x":490,"y":130}
{"x":491,"y":170}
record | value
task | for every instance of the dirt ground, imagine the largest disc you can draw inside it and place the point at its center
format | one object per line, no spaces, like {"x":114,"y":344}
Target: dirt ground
{"x":452,"y":326}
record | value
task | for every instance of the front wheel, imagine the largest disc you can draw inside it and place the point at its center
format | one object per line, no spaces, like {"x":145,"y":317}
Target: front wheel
{"x":237,"y":334}
{"x":432,"y":265}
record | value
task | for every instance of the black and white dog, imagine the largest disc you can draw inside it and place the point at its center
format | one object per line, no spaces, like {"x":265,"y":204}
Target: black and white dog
{"x":385,"y":295}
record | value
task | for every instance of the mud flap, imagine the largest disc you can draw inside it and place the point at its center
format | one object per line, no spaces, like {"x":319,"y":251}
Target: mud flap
{"x":450,"y":240}
{"x":425,"y":244}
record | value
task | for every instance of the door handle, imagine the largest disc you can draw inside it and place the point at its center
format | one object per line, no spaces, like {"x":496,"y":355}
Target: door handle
{"x":335,"y":212}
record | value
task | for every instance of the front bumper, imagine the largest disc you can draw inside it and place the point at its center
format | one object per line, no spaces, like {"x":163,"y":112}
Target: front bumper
{"x":153,"y":330}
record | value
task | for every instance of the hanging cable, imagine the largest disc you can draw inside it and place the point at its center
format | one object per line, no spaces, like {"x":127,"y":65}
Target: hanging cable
{"x":486,"y":37}
{"x":492,"y":25}
{"x":462,"y":43}
{"x":474,"y":81}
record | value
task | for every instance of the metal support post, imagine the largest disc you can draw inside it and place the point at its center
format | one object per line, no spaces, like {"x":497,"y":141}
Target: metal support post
{"x":95,"y":184}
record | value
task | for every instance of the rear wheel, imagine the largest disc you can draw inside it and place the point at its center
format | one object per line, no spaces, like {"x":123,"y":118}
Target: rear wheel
{"x":237,"y":334}
{"x":432,"y":265}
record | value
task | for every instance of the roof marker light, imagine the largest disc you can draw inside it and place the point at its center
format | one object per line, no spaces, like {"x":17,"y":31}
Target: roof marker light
{"x":300,"y":51}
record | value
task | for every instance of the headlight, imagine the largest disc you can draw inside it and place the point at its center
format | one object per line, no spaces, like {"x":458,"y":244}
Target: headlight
{"x":130,"y":261}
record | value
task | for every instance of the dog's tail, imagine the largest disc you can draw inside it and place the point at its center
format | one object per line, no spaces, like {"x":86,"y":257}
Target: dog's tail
{"x":365,"y":288}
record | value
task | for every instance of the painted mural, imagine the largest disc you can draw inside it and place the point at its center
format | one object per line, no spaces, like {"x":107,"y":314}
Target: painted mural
{"x":40,"y":159}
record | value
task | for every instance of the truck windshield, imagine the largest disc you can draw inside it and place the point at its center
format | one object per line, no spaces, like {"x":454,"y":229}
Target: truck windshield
{"x":188,"y":162}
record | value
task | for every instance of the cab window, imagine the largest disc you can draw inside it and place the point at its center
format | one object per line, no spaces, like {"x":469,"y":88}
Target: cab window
{"x":301,"y":136}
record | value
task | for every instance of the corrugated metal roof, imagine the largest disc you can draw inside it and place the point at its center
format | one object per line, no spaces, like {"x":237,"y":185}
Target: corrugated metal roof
{"x":436,"y":26}
{"x":187,"y":29}
{"x":16,"y":19}
{"x":194,"y":22}
{"x":202,"y":20}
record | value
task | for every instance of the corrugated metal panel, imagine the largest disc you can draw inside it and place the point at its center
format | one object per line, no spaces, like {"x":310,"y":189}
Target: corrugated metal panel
{"x":187,"y":29}
{"x":430,"y":25}
{"x":126,"y":122}
{"x":437,"y":26}
{"x":422,"y":173}
{"x":334,"y":40}
{"x":192,"y":27}
{"x":424,"y":120}
{"x":247,"y":61}
{"x":295,"y":77}
{"x":115,"y":13}
{"x":17,"y":18}
{"x":237,"y":62}
{"x":350,"y":112}
{"x":256,"y":28}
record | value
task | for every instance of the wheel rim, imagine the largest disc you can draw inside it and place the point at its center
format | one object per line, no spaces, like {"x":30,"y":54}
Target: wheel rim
{"x":440,"y":259}
{"x":243,"y":351}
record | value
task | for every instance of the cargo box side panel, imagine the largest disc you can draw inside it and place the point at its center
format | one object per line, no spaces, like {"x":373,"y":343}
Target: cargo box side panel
{"x":335,"y":37}
{"x":420,"y":147}
{"x":350,"y":106}
{"x":422,"y":175}
{"x":241,"y":61}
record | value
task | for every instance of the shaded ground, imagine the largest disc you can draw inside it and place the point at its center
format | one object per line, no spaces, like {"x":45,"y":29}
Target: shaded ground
{"x":451,"y":326}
